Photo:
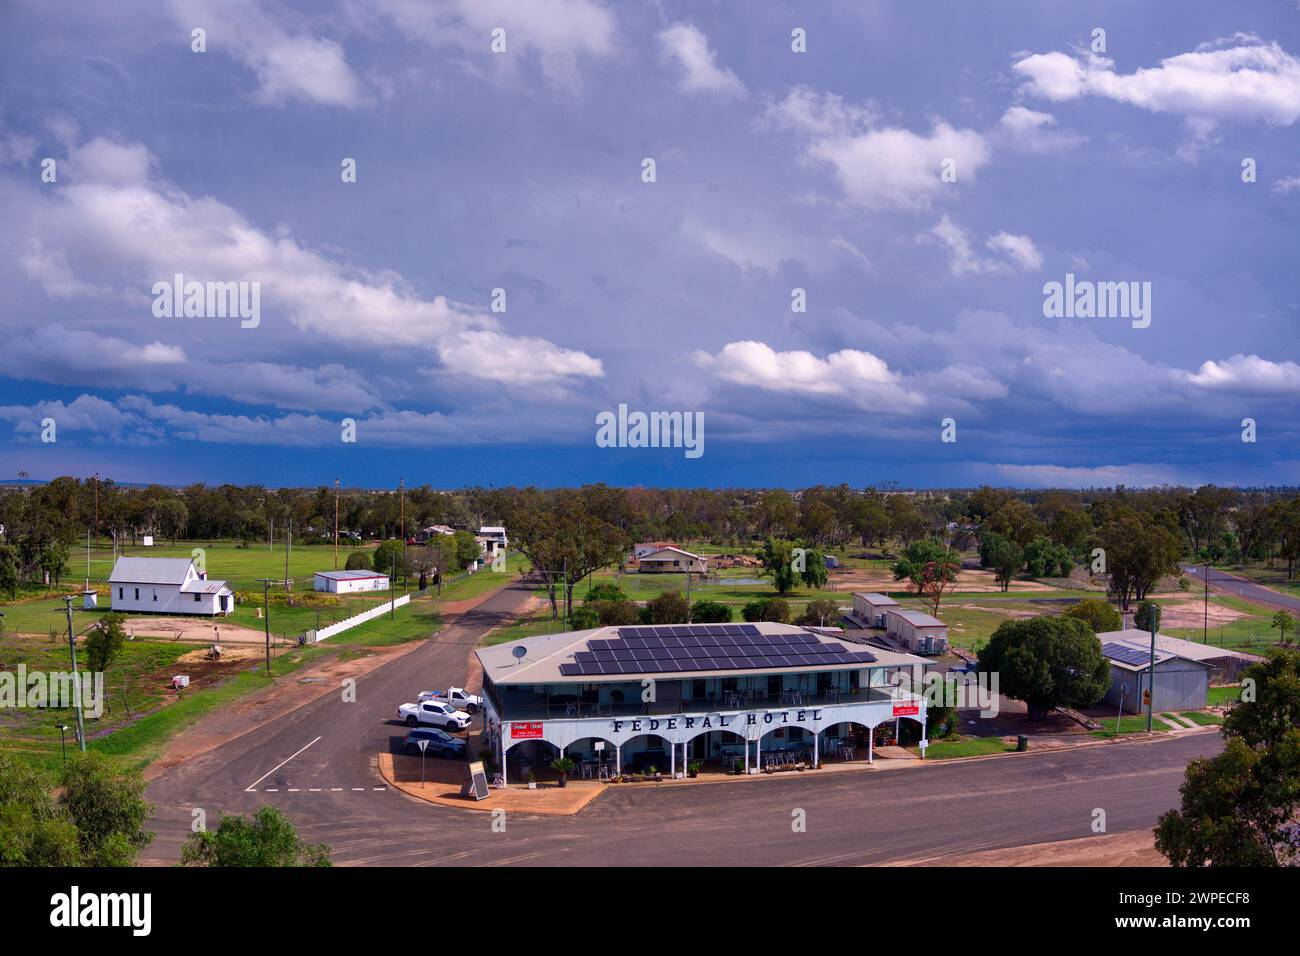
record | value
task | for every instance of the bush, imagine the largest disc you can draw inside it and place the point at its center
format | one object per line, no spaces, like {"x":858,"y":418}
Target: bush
{"x":615,"y":613}
{"x":818,"y":613}
{"x":267,"y":838}
{"x":584,"y":618}
{"x":605,"y":591}
{"x":359,"y":561}
{"x":767,"y":609}
{"x":668,"y":608}
{"x":1097,"y":614}
{"x":710,"y":612}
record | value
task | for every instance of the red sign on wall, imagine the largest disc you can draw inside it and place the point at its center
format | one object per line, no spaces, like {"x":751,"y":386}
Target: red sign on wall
{"x":527,"y":730}
{"x":907,"y":710}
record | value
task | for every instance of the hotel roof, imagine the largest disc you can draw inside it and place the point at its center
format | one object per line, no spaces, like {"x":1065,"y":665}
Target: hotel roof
{"x":551,"y":658}
{"x":1172,"y":646}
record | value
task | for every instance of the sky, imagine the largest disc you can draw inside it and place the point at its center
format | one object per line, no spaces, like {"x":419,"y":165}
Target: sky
{"x":838,"y":260}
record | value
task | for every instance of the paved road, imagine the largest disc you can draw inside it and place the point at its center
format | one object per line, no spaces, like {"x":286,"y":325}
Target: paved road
{"x":1242,"y":587}
{"x":317,"y":765}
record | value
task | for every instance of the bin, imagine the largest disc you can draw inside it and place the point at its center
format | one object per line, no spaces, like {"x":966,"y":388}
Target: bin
{"x":1022,"y":743}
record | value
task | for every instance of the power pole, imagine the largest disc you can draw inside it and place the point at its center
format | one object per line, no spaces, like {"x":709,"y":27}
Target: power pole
{"x":288,"y":546}
{"x":336,"y":524}
{"x":1205,"y":625}
{"x":401,"y":483}
{"x":266,"y":612}
{"x":76,"y":681}
{"x":96,"y":507}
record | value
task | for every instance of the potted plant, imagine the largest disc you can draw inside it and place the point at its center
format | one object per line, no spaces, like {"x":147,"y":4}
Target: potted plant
{"x":563,"y":766}
{"x":532,"y":780}
{"x":693,"y":768}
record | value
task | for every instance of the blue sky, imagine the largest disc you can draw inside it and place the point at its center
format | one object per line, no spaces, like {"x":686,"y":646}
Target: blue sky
{"x":775,"y":170}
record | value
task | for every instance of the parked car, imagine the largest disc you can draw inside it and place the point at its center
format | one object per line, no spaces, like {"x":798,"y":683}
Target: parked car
{"x":441,"y":743}
{"x":436,"y":712}
{"x":457,"y":697}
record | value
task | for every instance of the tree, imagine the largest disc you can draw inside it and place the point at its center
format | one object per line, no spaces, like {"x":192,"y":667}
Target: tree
{"x":108,"y":808}
{"x":467,"y":549}
{"x":931,"y":568}
{"x":1045,"y":558}
{"x":267,"y":839}
{"x":359,"y":561}
{"x":1002,"y":555}
{"x":615,"y":613}
{"x":668,"y":608}
{"x":389,"y":560}
{"x":1145,"y":617}
{"x":767,"y":609}
{"x":9,"y":570}
{"x":710,"y":612}
{"x":1239,"y":808}
{"x":813,"y":573}
{"x":1139,"y":550}
{"x":819,"y":612}
{"x":105,"y":642}
{"x":34,"y":831}
{"x":1047,"y":662}
{"x":1283,"y":622}
{"x":778,"y":563}
{"x":1097,"y":614}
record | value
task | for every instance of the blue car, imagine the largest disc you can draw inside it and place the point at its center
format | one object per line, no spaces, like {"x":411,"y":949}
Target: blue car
{"x":441,"y":743}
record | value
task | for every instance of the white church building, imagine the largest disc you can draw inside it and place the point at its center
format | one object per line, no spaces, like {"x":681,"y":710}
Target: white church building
{"x":167,"y":586}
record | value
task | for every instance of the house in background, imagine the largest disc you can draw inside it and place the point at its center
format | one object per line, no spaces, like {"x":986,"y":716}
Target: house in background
{"x":492,"y":540}
{"x":349,"y":582}
{"x":672,"y":560}
{"x":639,"y":551}
{"x":916,"y":630}
{"x":167,"y":586}
{"x":1181,"y":682}
{"x":871,"y":607}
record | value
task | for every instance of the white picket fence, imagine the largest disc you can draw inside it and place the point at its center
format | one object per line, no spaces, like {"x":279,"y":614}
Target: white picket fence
{"x":355,"y":619}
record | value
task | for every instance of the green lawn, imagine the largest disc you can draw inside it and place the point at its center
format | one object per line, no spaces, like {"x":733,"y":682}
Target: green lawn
{"x":1219,"y":696}
{"x":1130,"y":725}
{"x":1201,"y":717}
{"x":966,"y":747}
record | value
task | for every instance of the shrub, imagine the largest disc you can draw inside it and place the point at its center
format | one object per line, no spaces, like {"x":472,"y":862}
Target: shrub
{"x":767,"y":609}
{"x":359,"y":561}
{"x":710,"y":612}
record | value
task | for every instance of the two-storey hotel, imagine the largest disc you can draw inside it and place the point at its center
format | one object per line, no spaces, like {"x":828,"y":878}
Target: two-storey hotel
{"x":629,"y":697}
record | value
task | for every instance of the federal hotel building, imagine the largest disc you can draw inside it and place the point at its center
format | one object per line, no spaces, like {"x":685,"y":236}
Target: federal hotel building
{"x":626,"y":698}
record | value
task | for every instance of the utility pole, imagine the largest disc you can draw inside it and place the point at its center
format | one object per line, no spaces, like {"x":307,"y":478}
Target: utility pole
{"x":392,"y":590}
{"x":688,"y":590}
{"x":76,"y":681}
{"x":336,"y":524}
{"x":266,"y":612}
{"x":288,"y":546}
{"x":401,"y":483}
{"x":96,"y":506}
{"x":1205,"y":625}
{"x":1151,"y":678}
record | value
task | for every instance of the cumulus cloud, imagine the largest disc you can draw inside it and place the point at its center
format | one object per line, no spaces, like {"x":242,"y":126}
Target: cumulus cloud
{"x":119,"y":216}
{"x":1248,"y":374}
{"x":289,"y":64}
{"x":1033,"y":132}
{"x":558,"y":33}
{"x":686,"y":45}
{"x":1016,"y":252}
{"x":824,"y":114}
{"x":1232,"y":79}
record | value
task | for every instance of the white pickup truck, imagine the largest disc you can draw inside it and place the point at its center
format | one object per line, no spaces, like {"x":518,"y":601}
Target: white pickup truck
{"x":457,"y":697}
{"x":438,"y":713}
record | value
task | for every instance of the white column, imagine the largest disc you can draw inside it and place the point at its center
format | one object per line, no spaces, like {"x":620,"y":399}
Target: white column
{"x":816,"y":740}
{"x":672,"y":760}
{"x":758,"y":754}
{"x":502,"y":737}
{"x":618,"y":759}
{"x":871,"y":739}
{"x":746,"y":756}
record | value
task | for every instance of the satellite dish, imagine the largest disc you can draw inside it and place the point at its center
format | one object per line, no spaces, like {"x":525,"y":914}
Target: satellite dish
{"x":519,"y":651}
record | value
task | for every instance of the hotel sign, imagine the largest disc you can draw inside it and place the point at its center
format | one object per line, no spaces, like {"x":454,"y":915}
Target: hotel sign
{"x":716,"y":721}
{"x":526,"y":730}
{"x":911,"y":709}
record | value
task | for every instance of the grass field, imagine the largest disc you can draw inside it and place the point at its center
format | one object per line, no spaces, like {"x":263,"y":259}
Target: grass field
{"x":966,"y":747}
{"x":1130,"y":725}
{"x":1228,"y":694}
{"x":1201,"y":717}
{"x":1251,"y":632}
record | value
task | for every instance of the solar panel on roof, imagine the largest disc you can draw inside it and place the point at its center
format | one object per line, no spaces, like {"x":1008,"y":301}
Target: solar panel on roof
{"x":1126,"y":655}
